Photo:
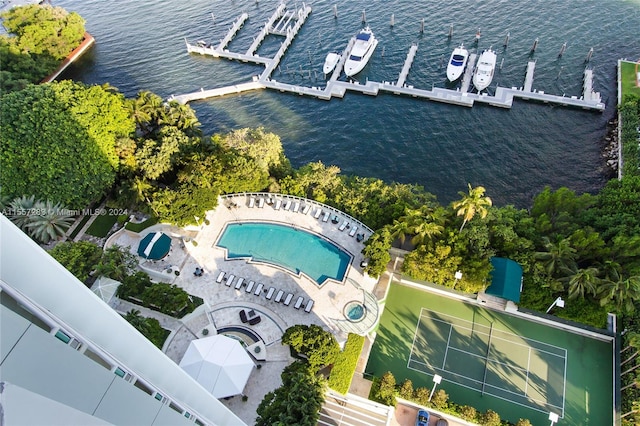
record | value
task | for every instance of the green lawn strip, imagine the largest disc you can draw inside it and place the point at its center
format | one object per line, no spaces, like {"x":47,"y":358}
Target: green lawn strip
{"x":102,"y":225}
{"x":138,"y":227}
{"x":628,"y":78}
{"x":585,"y":392}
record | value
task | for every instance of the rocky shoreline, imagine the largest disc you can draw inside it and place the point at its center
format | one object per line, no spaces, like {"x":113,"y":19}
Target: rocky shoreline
{"x":611,"y":148}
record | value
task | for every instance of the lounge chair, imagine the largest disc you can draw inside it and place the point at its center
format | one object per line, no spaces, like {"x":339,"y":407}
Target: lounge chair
{"x":309,"y":306}
{"x":287,"y":205}
{"x":239,"y":283}
{"x":260,"y":202}
{"x":343,"y":225}
{"x":250,"y":286}
{"x":230,"y":280}
{"x":279,"y":296}
{"x":258,"y":291}
{"x":306,"y":208}
{"x":220,"y":277}
{"x":299,"y":302}
{"x":252,"y":202}
{"x":296,"y":207}
{"x":270,"y":293}
{"x":255,"y":320}
{"x":287,"y":299}
{"x":317,"y":214}
{"x":353,"y":231}
{"x":278,"y":204}
{"x":360,"y":237}
{"x":325,"y":218}
{"x":243,"y":316}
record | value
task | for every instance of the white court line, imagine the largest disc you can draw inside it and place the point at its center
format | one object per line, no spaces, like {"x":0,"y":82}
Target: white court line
{"x":529,"y":406}
{"x":415,"y":336}
{"x":446,"y":351}
{"x":501,"y":331}
{"x":529,"y":348}
{"x":526,"y":385}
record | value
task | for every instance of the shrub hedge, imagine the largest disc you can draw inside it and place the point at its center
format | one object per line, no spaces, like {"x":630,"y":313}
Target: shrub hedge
{"x":345,"y":364}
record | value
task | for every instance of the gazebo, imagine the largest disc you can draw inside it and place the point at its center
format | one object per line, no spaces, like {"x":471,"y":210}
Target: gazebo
{"x":154,"y":246}
{"x":219,"y":363}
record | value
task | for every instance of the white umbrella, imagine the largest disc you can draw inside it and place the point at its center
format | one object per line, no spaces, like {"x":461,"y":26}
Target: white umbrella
{"x":219,"y":363}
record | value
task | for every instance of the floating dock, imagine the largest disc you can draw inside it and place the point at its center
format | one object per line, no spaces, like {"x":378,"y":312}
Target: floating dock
{"x":286,"y":23}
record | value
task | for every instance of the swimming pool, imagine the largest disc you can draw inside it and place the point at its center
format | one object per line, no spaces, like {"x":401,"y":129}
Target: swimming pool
{"x":290,"y":248}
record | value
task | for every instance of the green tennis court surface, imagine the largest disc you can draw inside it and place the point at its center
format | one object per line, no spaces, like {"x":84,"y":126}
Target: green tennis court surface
{"x":488,"y":359}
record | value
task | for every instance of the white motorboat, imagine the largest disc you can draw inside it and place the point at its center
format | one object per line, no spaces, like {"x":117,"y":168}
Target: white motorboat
{"x":484,"y":70}
{"x":360,"y":52}
{"x":330,"y":62}
{"x":457,"y":62}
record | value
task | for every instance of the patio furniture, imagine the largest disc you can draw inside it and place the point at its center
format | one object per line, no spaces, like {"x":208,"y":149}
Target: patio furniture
{"x":279,"y":296}
{"x":296,"y":207}
{"x":255,"y":320}
{"x":287,"y":300}
{"x":249,"y":286}
{"x":306,"y":208}
{"x":239,"y":283}
{"x":230,"y":280}
{"x":220,"y":277}
{"x":260,"y":202}
{"x":243,"y":316}
{"x":343,"y":225}
{"x":252,"y":202}
{"x":309,"y":306}
{"x":287,"y":205}
{"x":298,"y":302}
{"x":270,"y":293}
{"x":258,"y":291}
{"x":317,"y":214}
{"x":353,"y":231}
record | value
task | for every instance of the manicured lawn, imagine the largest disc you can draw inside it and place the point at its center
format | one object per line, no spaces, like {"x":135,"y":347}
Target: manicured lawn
{"x":493,"y":360}
{"x":102,"y":225}
{"x":628,"y":74}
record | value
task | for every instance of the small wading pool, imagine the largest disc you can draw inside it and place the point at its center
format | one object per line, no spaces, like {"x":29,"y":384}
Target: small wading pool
{"x":287,"y":247}
{"x":354,"y":311}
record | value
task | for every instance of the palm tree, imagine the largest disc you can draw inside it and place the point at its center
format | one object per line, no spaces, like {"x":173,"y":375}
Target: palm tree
{"x":620,"y":291}
{"x":582,"y":281}
{"x":426,"y":232}
{"x":50,"y":221}
{"x":470,"y":204}
{"x":20,"y":209}
{"x":136,"y":320}
{"x":557,"y":256}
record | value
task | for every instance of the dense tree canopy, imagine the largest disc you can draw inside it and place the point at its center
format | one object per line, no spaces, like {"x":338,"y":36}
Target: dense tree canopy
{"x":79,"y":258}
{"x":40,"y":37}
{"x":57,"y":142}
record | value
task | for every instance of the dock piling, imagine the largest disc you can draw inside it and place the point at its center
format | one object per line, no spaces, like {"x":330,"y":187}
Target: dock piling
{"x":422,"y":26}
{"x":213,"y":17}
{"x":535,"y":45}
{"x":506,"y":40}
{"x":589,"y":55}
{"x":450,"y":30}
{"x":501,"y":63}
{"x":364,"y":16}
{"x":562,"y":49}
{"x":478,"y":34}
{"x":393,"y":20}
{"x":335,"y":11}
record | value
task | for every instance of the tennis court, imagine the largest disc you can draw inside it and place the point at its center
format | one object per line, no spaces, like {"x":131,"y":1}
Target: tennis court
{"x":491,"y":361}
{"x":494,"y":360}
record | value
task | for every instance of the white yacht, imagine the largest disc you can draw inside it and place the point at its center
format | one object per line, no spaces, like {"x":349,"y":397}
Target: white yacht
{"x":457,"y":62}
{"x":484,"y":71}
{"x":360,"y":52}
{"x":330,"y":62}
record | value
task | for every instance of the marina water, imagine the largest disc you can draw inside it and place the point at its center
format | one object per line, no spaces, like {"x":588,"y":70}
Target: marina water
{"x":513,"y":153}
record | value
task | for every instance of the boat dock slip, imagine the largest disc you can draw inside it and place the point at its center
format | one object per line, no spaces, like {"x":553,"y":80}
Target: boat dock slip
{"x":232,"y":31}
{"x":407,"y":65}
{"x":287,"y":23}
{"x":468,"y":73}
{"x":528,"y":78}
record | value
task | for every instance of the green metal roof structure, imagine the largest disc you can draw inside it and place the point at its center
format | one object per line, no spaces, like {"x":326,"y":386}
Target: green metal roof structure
{"x":506,"y":279}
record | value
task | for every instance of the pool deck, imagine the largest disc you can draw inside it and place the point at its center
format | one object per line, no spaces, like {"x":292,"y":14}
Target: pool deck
{"x":223,"y":303}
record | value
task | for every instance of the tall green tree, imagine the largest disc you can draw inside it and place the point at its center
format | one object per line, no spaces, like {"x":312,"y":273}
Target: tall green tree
{"x":472,"y":203}
{"x":319,"y":346}
{"x":80,"y":258}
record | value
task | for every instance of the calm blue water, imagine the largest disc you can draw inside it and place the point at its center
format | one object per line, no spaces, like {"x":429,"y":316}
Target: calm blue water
{"x":290,"y":248}
{"x":513,"y":153}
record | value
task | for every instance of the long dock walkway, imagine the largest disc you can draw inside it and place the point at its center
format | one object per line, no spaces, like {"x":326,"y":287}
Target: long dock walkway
{"x":281,"y":22}
{"x":407,"y":65}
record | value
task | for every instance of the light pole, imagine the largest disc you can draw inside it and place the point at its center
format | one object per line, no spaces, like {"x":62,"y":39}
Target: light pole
{"x":553,"y":417}
{"x":558,"y":302}
{"x":436,"y":381}
{"x":458,"y":277}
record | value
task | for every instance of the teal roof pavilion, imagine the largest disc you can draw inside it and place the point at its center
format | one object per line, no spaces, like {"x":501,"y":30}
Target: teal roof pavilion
{"x":506,"y":279}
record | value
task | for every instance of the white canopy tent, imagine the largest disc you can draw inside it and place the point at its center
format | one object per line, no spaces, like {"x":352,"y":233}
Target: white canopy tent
{"x":219,"y":363}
